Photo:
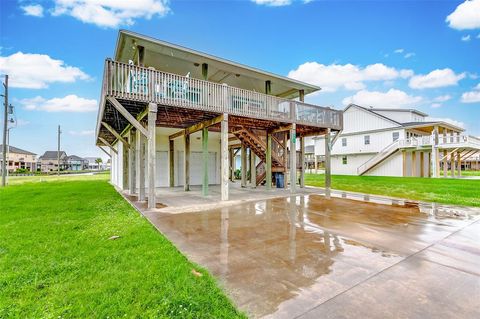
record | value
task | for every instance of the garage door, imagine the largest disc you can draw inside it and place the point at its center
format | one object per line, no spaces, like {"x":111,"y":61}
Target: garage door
{"x":196,"y":169}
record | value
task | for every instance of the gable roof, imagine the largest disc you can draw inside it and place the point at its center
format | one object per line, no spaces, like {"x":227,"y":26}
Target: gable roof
{"x":372,"y":112}
{"x":399,"y":110}
{"x":180,"y":60}
{"x":13,"y":149}
{"x":52,"y":155}
{"x":75,"y":158}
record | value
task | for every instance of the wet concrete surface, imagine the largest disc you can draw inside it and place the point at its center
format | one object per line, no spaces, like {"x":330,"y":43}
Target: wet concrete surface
{"x":311,"y":256}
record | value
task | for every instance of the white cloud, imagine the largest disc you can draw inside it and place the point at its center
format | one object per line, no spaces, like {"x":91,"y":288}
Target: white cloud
{"x":409,"y":55}
{"x":466,"y":16}
{"x":436,"y":105}
{"x":36,"y":71}
{"x":82,"y":133}
{"x":399,"y":51}
{"x":472,"y":96}
{"x":274,"y":3}
{"x":466,"y":38}
{"x":69,"y":103}
{"x":435,"y":79}
{"x":446,"y":120}
{"x":442,"y":98}
{"x":111,"y":13}
{"x":393,"y":98}
{"x":35,"y":10}
{"x":348,"y":76}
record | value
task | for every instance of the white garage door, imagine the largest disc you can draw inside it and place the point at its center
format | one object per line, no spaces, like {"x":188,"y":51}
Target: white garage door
{"x":161,"y":178}
{"x":196,"y":169}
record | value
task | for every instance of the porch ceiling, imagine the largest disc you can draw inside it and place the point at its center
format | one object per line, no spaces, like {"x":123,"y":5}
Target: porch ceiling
{"x":180,"y":60}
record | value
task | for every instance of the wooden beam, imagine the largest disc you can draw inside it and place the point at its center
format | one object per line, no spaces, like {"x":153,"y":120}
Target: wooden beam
{"x":107,"y":144}
{"x":115,"y":133}
{"x":197,"y":127}
{"x":243,"y":171}
{"x":171,"y":163}
{"x":205,"y":161}
{"x":422,"y":164}
{"x":459,"y":164}
{"x":152,"y":151}
{"x":293,"y":158}
{"x":140,"y":164}
{"x":404,"y":163}
{"x":224,"y":157}
{"x":186,"y":163}
{"x":103,"y":150}
{"x":302,"y":162}
{"x":268,"y":159}
{"x":253,"y":170}
{"x":129,"y":117}
{"x":131,"y":164}
{"x":328,"y":169}
{"x":445,"y":164}
{"x":281,"y":128}
{"x":414,"y":164}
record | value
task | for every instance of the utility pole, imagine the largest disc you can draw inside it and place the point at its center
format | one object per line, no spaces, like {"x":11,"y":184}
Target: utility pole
{"x":5,"y":125}
{"x":58,"y":151}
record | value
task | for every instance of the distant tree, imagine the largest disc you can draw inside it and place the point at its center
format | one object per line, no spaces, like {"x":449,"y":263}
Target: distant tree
{"x":98,"y":161}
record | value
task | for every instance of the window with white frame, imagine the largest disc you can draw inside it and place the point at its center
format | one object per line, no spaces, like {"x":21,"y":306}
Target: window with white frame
{"x":344,"y":141}
{"x":344,"y":160}
{"x":395,"y":136}
{"x":366,"y":139}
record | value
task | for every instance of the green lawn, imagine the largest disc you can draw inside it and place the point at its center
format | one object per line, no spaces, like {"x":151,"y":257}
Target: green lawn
{"x":447,"y":191}
{"x":56,"y":259}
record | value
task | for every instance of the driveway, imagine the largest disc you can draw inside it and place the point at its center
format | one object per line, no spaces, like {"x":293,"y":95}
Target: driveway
{"x":309,"y":256}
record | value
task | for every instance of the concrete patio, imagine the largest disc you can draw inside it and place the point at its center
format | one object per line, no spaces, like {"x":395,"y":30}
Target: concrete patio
{"x":344,"y":255}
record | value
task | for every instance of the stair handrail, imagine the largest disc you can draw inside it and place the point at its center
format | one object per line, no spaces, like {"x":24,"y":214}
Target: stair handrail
{"x":380,"y":155}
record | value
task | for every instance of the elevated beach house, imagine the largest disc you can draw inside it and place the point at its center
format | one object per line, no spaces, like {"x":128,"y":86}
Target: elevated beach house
{"x":398,"y":142}
{"x":172,"y":117}
{"x":19,"y":159}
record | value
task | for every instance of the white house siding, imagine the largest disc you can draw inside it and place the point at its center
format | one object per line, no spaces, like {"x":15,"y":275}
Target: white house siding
{"x":353,"y":161}
{"x":402,"y":116}
{"x":391,"y":166}
{"x":356,"y":120}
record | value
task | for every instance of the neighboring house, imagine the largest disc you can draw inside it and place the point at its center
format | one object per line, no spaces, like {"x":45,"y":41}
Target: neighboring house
{"x":397,"y":142}
{"x":75,"y":163}
{"x":93,"y":165}
{"x":187,"y":107}
{"x":18,"y":159}
{"x":49,"y":161}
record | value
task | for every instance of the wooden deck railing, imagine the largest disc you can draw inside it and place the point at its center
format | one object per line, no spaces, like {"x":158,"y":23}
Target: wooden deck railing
{"x":131,"y":82}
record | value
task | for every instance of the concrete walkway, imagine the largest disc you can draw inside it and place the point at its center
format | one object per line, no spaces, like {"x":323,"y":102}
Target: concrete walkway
{"x":345,"y":255}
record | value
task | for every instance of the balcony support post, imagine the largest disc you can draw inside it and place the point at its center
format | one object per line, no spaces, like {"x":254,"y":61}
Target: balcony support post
{"x":205,"y":161}
{"x":302,"y":162}
{"x":328,"y":168}
{"x":224,"y":157}
{"x":131,"y":163}
{"x":452,"y":165}
{"x":186,"y":163}
{"x":422,"y":164}
{"x":293,"y":158}
{"x":243,"y":172}
{"x":459,"y":164}
{"x":445,"y":163}
{"x":253,"y":170}
{"x":152,"y":151}
{"x":268,"y":166}
{"x":435,"y":156}
{"x":171,"y":162}
{"x":140,"y":164}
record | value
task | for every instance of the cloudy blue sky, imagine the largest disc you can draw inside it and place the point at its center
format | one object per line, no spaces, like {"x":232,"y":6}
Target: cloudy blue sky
{"x":415,"y":54}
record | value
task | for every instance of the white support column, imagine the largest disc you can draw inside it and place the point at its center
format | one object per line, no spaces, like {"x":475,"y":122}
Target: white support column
{"x":302,"y":162}
{"x":328,"y":169}
{"x":253,"y":170}
{"x":131,"y":163}
{"x":186,"y":163}
{"x":293,"y":158}
{"x":224,"y":157}
{"x":140,"y":164}
{"x":152,"y":150}
{"x":435,"y":166}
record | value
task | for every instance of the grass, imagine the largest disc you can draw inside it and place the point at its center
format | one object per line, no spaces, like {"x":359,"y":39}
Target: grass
{"x":56,"y":259}
{"x":446,"y":191}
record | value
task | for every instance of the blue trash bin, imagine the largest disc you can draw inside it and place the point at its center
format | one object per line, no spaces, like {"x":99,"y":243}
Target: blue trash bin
{"x":280,"y":179}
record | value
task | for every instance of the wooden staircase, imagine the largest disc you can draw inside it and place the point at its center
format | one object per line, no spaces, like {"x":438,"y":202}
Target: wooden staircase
{"x":257,"y":144}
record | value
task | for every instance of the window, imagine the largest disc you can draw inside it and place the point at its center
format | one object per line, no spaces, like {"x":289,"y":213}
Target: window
{"x":366,"y":139}
{"x":395,"y":136}
{"x":344,"y":160}
{"x":344,"y":141}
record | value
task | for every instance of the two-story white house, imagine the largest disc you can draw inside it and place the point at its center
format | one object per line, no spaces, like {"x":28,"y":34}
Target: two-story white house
{"x":397,"y":142}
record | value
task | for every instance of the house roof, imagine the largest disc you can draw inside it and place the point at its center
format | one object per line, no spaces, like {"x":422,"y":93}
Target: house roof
{"x":399,"y":110}
{"x":13,"y":149}
{"x":176,"y":59}
{"x":75,"y":158}
{"x":429,"y":126}
{"x":52,"y":155}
